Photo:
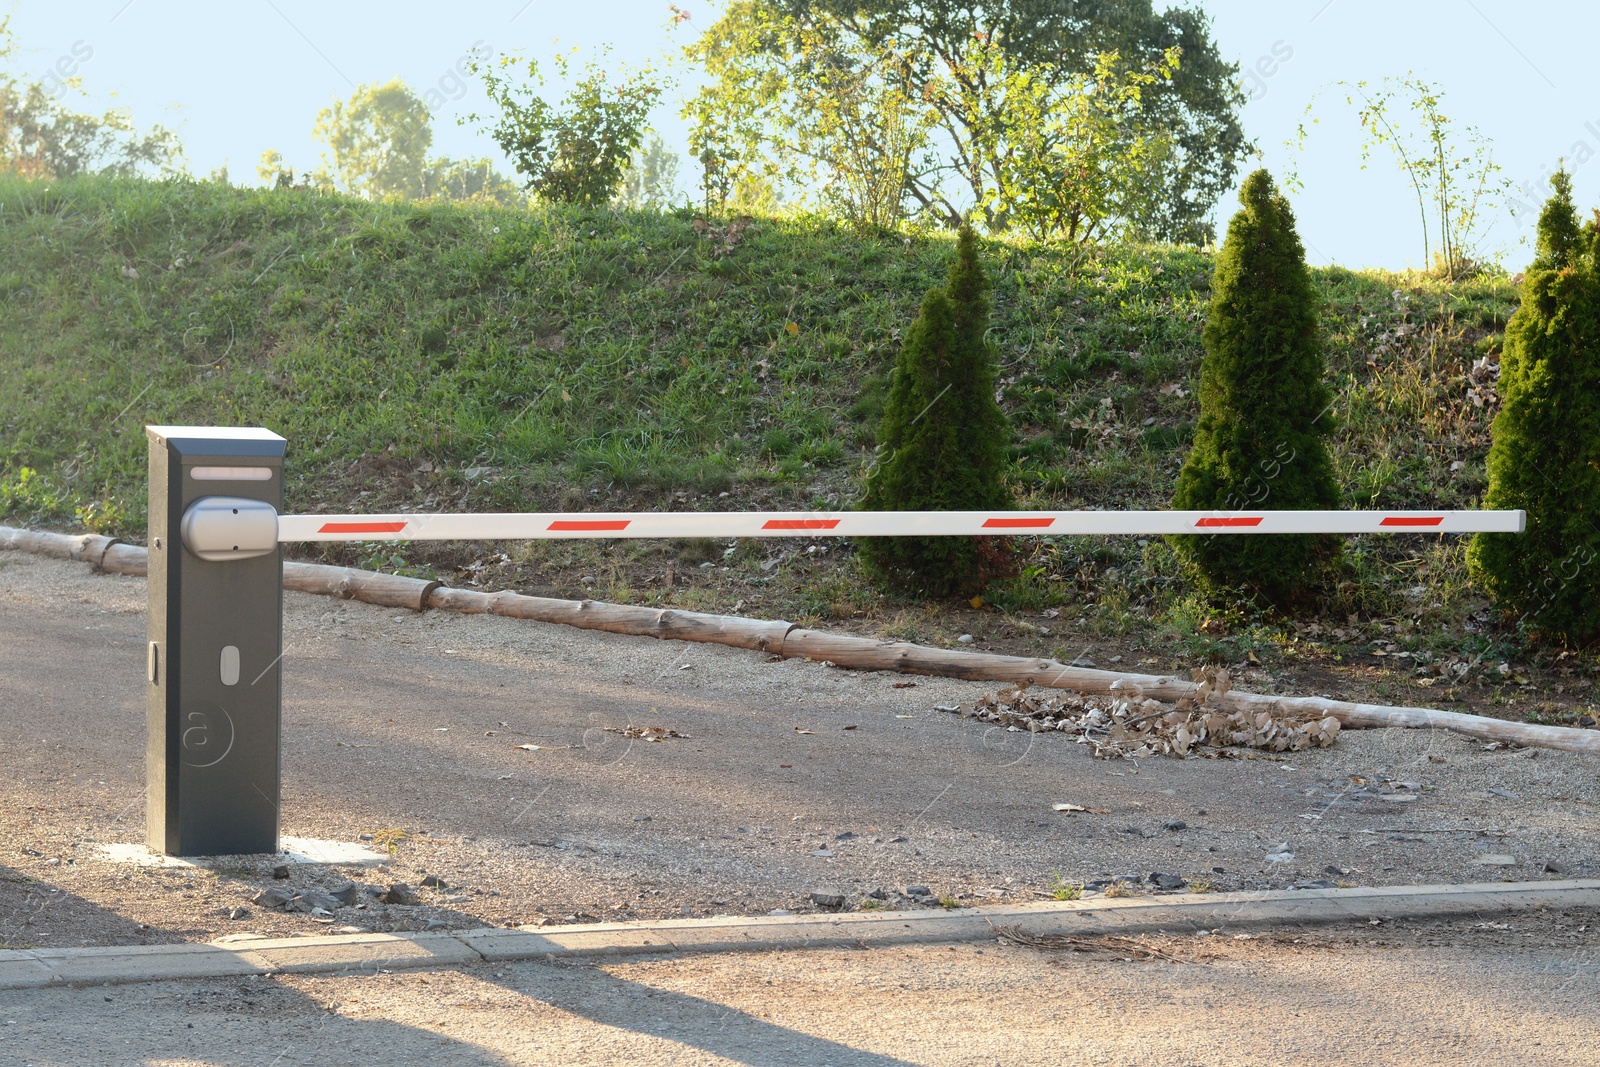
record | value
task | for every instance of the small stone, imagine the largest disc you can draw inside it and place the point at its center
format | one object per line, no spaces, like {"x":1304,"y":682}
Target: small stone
{"x":879,"y":894}
{"x":965,"y":639}
{"x":824,"y":853}
{"x":344,"y":893}
{"x":846,"y":836}
{"x":281,"y":871}
{"x":273,"y":898}
{"x":1176,"y":824}
{"x":1551,"y":867}
{"x":1320,"y":883}
{"x":780,"y":911}
{"x":398,"y":893}
{"x":367,"y":837}
{"x":918,"y":891}
{"x":53,"y":861}
{"x":1495,"y":860}
{"x":1082,"y":661}
{"x":433,"y":881}
{"x":898,"y":840}
{"x":435,"y":924}
{"x":315,"y":902}
{"x":827,"y":898}
{"x":239,"y":913}
{"x":1166,"y":881}
{"x":1280,"y":857}
{"x":641,"y":818}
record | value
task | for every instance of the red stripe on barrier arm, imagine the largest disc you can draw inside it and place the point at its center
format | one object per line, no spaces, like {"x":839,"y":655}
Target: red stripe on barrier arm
{"x":590,"y":524}
{"x":1243,"y":520}
{"x":799,"y":524}
{"x":1016,"y":524}
{"x":362,"y":527}
{"x":1411,"y":520}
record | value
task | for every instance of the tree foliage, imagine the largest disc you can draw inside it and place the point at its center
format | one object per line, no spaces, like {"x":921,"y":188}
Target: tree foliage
{"x":1263,"y":405}
{"x":579,"y":152}
{"x":1545,"y":455}
{"x":377,"y":141}
{"x":941,"y":446}
{"x":42,"y":136}
{"x":1070,"y":156}
{"x":804,"y":103}
{"x":939,"y":55}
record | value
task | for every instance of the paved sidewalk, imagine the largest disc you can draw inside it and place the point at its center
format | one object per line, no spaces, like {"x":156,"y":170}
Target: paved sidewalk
{"x":1197,"y":914}
{"x":1295,"y":999}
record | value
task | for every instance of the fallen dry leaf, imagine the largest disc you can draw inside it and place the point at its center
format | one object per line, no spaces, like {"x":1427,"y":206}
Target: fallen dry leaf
{"x":645,"y":733}
{"x":1129,"y":724}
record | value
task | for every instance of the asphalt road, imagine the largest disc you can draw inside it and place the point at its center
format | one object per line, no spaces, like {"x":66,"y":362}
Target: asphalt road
{"x":790,"y":774}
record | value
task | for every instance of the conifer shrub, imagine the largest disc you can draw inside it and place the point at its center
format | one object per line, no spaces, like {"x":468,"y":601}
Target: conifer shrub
{"x":1263,"y":408}
{"x":1545,"y":450}
{"x":941,"y":444}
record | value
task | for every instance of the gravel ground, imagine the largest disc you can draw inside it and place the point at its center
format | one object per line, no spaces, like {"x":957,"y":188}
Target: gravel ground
{"x":1409,"y":994}
{"x":792,"y":777}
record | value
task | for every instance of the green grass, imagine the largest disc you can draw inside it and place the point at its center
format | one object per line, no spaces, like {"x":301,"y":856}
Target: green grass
{"x":478,"y":358}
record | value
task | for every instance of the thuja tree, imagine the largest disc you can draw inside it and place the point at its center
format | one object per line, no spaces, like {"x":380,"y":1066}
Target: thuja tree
{"x":1263,"y":406}
{"x":1545,"y":455}
{"x":941,"y":446}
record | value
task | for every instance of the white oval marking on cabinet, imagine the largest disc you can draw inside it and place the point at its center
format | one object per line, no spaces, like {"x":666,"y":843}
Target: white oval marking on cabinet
{"x":230,"y":665}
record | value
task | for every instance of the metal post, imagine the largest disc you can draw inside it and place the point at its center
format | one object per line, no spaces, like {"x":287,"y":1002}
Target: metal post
{"x":216,"y":640}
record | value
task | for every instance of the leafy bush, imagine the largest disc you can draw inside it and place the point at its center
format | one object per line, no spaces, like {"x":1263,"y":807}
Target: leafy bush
{"x":581,"y":152}
{"x":941,"y":446}
{"x":1263,"y":405}
{"x":1545,"y":456}
{"x":29,"y":496}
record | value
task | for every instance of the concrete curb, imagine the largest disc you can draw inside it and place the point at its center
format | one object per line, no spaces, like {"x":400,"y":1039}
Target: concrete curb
{"x":1186,"y":912}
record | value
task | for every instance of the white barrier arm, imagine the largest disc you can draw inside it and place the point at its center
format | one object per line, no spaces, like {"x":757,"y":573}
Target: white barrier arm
{"x":545,"y":526}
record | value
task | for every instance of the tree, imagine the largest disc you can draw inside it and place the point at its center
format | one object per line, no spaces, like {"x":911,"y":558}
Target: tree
{"x":801,"y":104}
{"x":1545,"y":453}
{"x":378,"y":140}
{"x":941,"y":445}
{"x":468,"y":179}
{"x":1454,"y":175}
{"x":1079,"y":158}
{"x":271,"y":169}
{"x":577,"y":153}
{"x":41,"y":136}
{"x":1263,"y":405}
{"x":1057,"y":42}
{"x":652,"y":180}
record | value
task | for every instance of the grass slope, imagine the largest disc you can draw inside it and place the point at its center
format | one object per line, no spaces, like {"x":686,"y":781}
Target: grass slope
{"x":466,"y":357}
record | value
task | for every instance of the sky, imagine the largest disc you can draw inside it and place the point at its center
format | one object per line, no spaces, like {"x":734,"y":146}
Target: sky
{"x":237,"y":78}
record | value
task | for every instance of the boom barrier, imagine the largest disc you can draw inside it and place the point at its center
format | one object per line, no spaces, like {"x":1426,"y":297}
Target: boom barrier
{"x":214,"y":660}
